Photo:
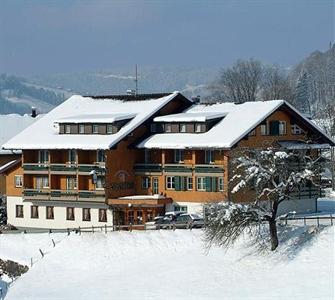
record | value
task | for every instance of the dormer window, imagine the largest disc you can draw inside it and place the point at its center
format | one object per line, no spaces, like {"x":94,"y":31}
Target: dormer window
{"x":81,"y":128}
{"x":197,"y":127}
{"x":109,"y":129}
{"x":182,"y":127}
{"x":168,"y":127}
{"x":43,"y":156}
{"x":67,"y":129}
{"x":209,"y":156}
{"x":100,"y":156}
{"x":72,"y":156}
{"x":95,"y":128}
{"x":178,"y":156}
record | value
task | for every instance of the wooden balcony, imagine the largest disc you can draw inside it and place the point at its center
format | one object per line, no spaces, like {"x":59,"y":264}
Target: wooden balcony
{"x":148,"y":169}
{"x":69,"y":169}
{"x":92,"y":196}
{"x":140,"y":200}
{"x":208,"y":169}
{"x":64,"y":195}
{"x":86,"y":169}
{"x":35,"y":168}
{"x":178,"y":168}
{"x":36,"y":194}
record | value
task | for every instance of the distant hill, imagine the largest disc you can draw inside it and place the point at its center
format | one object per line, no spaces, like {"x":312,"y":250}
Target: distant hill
{"x":17,"y":95}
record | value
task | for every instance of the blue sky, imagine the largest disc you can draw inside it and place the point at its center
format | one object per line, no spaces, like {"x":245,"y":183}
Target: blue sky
{"x":43,"y":37}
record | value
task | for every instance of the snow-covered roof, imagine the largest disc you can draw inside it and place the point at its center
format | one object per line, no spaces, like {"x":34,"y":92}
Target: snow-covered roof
{"x":12,"y":124}
{"x":8,"y":165}
{"x":143,"y":197}
{"x":239,"y":120}
{"x":96,"y":118}
{"x":44,"y":133}
{"x":191,"y":117}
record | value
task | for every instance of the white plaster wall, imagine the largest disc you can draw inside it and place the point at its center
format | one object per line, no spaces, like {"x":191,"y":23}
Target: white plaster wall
{"x":59,"y":221}
{"x":192,"y":207}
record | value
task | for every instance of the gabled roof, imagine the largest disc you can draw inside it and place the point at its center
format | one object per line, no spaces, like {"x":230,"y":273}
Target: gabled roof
{"x":239,"y":120}
{"x":9,"y":165}
{"x":44,"y":133}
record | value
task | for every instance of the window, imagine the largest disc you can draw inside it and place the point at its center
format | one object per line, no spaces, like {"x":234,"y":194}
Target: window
{"x":182,"y":127}
{"x":110,"y":129}
{"x":201,"y":184}
{"x":72,"y":156}
{"x":147,"y":156}
{"x":263,"y":129}
{"x":180,"y":208}
{"x":146,"y":182}
{"x":100,"y":183}
{"x":42,"y":182}
{"x":282,"y":127}
{"x":102,"y":215}
{"x":71,"y":183}
{"x":34,"y":212}
{"x":155,"y":185}
{"x":18,"y":181}
{"x":50,"y":212}
{"x":167,"y":127}
{"x":221,"y":184}
{"x":95,"y":129}
{"x":296,"y":130}
{"x":197,"y":127}
{"x":67,"y":129}
{"x":169,"y":182}
{"x":101,"y":156}
{"x":153,"y":127}
{"x":189,"y":183}
{"x":19,"y":211}
{"x":81,"y":128}
{"x":252,"y":133}
{"x":70,"y":213}
{"x":86,"y":214}
{"x":43,"y":156}
{"x":178,"y":156}
{"x":209,"y":156}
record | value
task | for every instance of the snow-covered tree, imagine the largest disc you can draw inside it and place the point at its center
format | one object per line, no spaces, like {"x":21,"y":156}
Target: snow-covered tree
{"x":302,"y":94}
{"x":270,"y":177}
{"x":3,"y":211}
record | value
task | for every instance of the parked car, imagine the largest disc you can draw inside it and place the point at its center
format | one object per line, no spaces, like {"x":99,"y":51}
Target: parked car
{"x":160,"y":222}
{"x":173,"y":215}
{"x":187,"y":220}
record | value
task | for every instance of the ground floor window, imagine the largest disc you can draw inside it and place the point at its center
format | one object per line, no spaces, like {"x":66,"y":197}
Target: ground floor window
{"x":180,"y":208}
{"x":19,"y":211}
{"x":70,"y":213}
{"x":86,"y":214}
{"x":146,"y":182}
{"x":34,"y":212}
{"x":50,"y":212}
{"x":18,"y":180}
{"x":221,"y":184}
{"x":201,"y":184}
{"x":170,"y":182}
{"x":189,"y":183}
{"x":102,"y":215}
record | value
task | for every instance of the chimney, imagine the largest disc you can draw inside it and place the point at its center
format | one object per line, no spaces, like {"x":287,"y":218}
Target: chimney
{"x":33,"y":112}
{"x":196,"y":99}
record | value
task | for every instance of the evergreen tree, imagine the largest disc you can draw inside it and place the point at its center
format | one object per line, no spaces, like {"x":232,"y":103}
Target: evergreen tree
{"x":302,"y":94}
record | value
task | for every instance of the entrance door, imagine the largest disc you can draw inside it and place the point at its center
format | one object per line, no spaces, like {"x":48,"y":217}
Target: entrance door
{"x":155,"y":185}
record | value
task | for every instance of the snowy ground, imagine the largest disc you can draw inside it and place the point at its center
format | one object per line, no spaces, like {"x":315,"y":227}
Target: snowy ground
{"x":171,"y":265}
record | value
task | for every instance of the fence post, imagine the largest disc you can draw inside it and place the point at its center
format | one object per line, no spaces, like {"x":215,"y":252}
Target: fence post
{"x":79,"y":230}
{"x":105,"y":228}
{"x":50,"y":231}
{"x":305,"y":221}
{"x":317,"y":218}
{"x":331,"y":219}
{"x":286,"y":221}
{"x":68,"y":231}
{"x":174,"y":226}
{"x":31,"y":261}
{"x":53,"y":242}
{"x":131,"y":227}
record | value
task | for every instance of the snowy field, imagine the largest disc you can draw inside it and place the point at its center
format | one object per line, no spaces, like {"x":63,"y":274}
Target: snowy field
{"x":171,"y":265}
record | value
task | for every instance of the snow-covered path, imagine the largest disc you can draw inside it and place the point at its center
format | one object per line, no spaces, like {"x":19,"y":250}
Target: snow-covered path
{"x":171,"y":265}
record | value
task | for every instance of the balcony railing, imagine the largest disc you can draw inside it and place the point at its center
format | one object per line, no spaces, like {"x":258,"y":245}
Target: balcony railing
{"x":178,"y":168}
{"x":63,"y":168}
{"x":208,"y":168}
{"x":70,"y":195}
{"x":36,"y":167}
{"x":36,"y":194}
{"x":95,"y":196}
{"x":148,"y":168}
{"x":88,"y":168}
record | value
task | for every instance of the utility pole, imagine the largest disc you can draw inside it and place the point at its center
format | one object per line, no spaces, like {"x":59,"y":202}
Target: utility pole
{"x":136,"y":81}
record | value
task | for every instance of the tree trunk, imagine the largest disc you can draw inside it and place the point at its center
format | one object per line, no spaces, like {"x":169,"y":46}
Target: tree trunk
{"x":273,"y":234}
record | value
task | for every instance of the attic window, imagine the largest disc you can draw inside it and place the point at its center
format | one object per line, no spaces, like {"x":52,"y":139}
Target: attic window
{"x":95,"y":129}
{"x":67,"y":129}
{"x":81,"y":128}
{"x":198,"y":127}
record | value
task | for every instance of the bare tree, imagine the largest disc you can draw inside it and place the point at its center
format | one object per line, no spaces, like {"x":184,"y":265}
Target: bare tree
{"x":240,"y":83}
{"x":326,"y":118}
{"x":269,"y":177}
{"x":276,"y":84}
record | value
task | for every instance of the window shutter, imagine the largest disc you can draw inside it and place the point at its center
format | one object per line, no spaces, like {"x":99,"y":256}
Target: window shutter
{"x":274,"y":128}
{"x":214,"y":184}
{"x":177,"y":184}
{"x":208,"y":184}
